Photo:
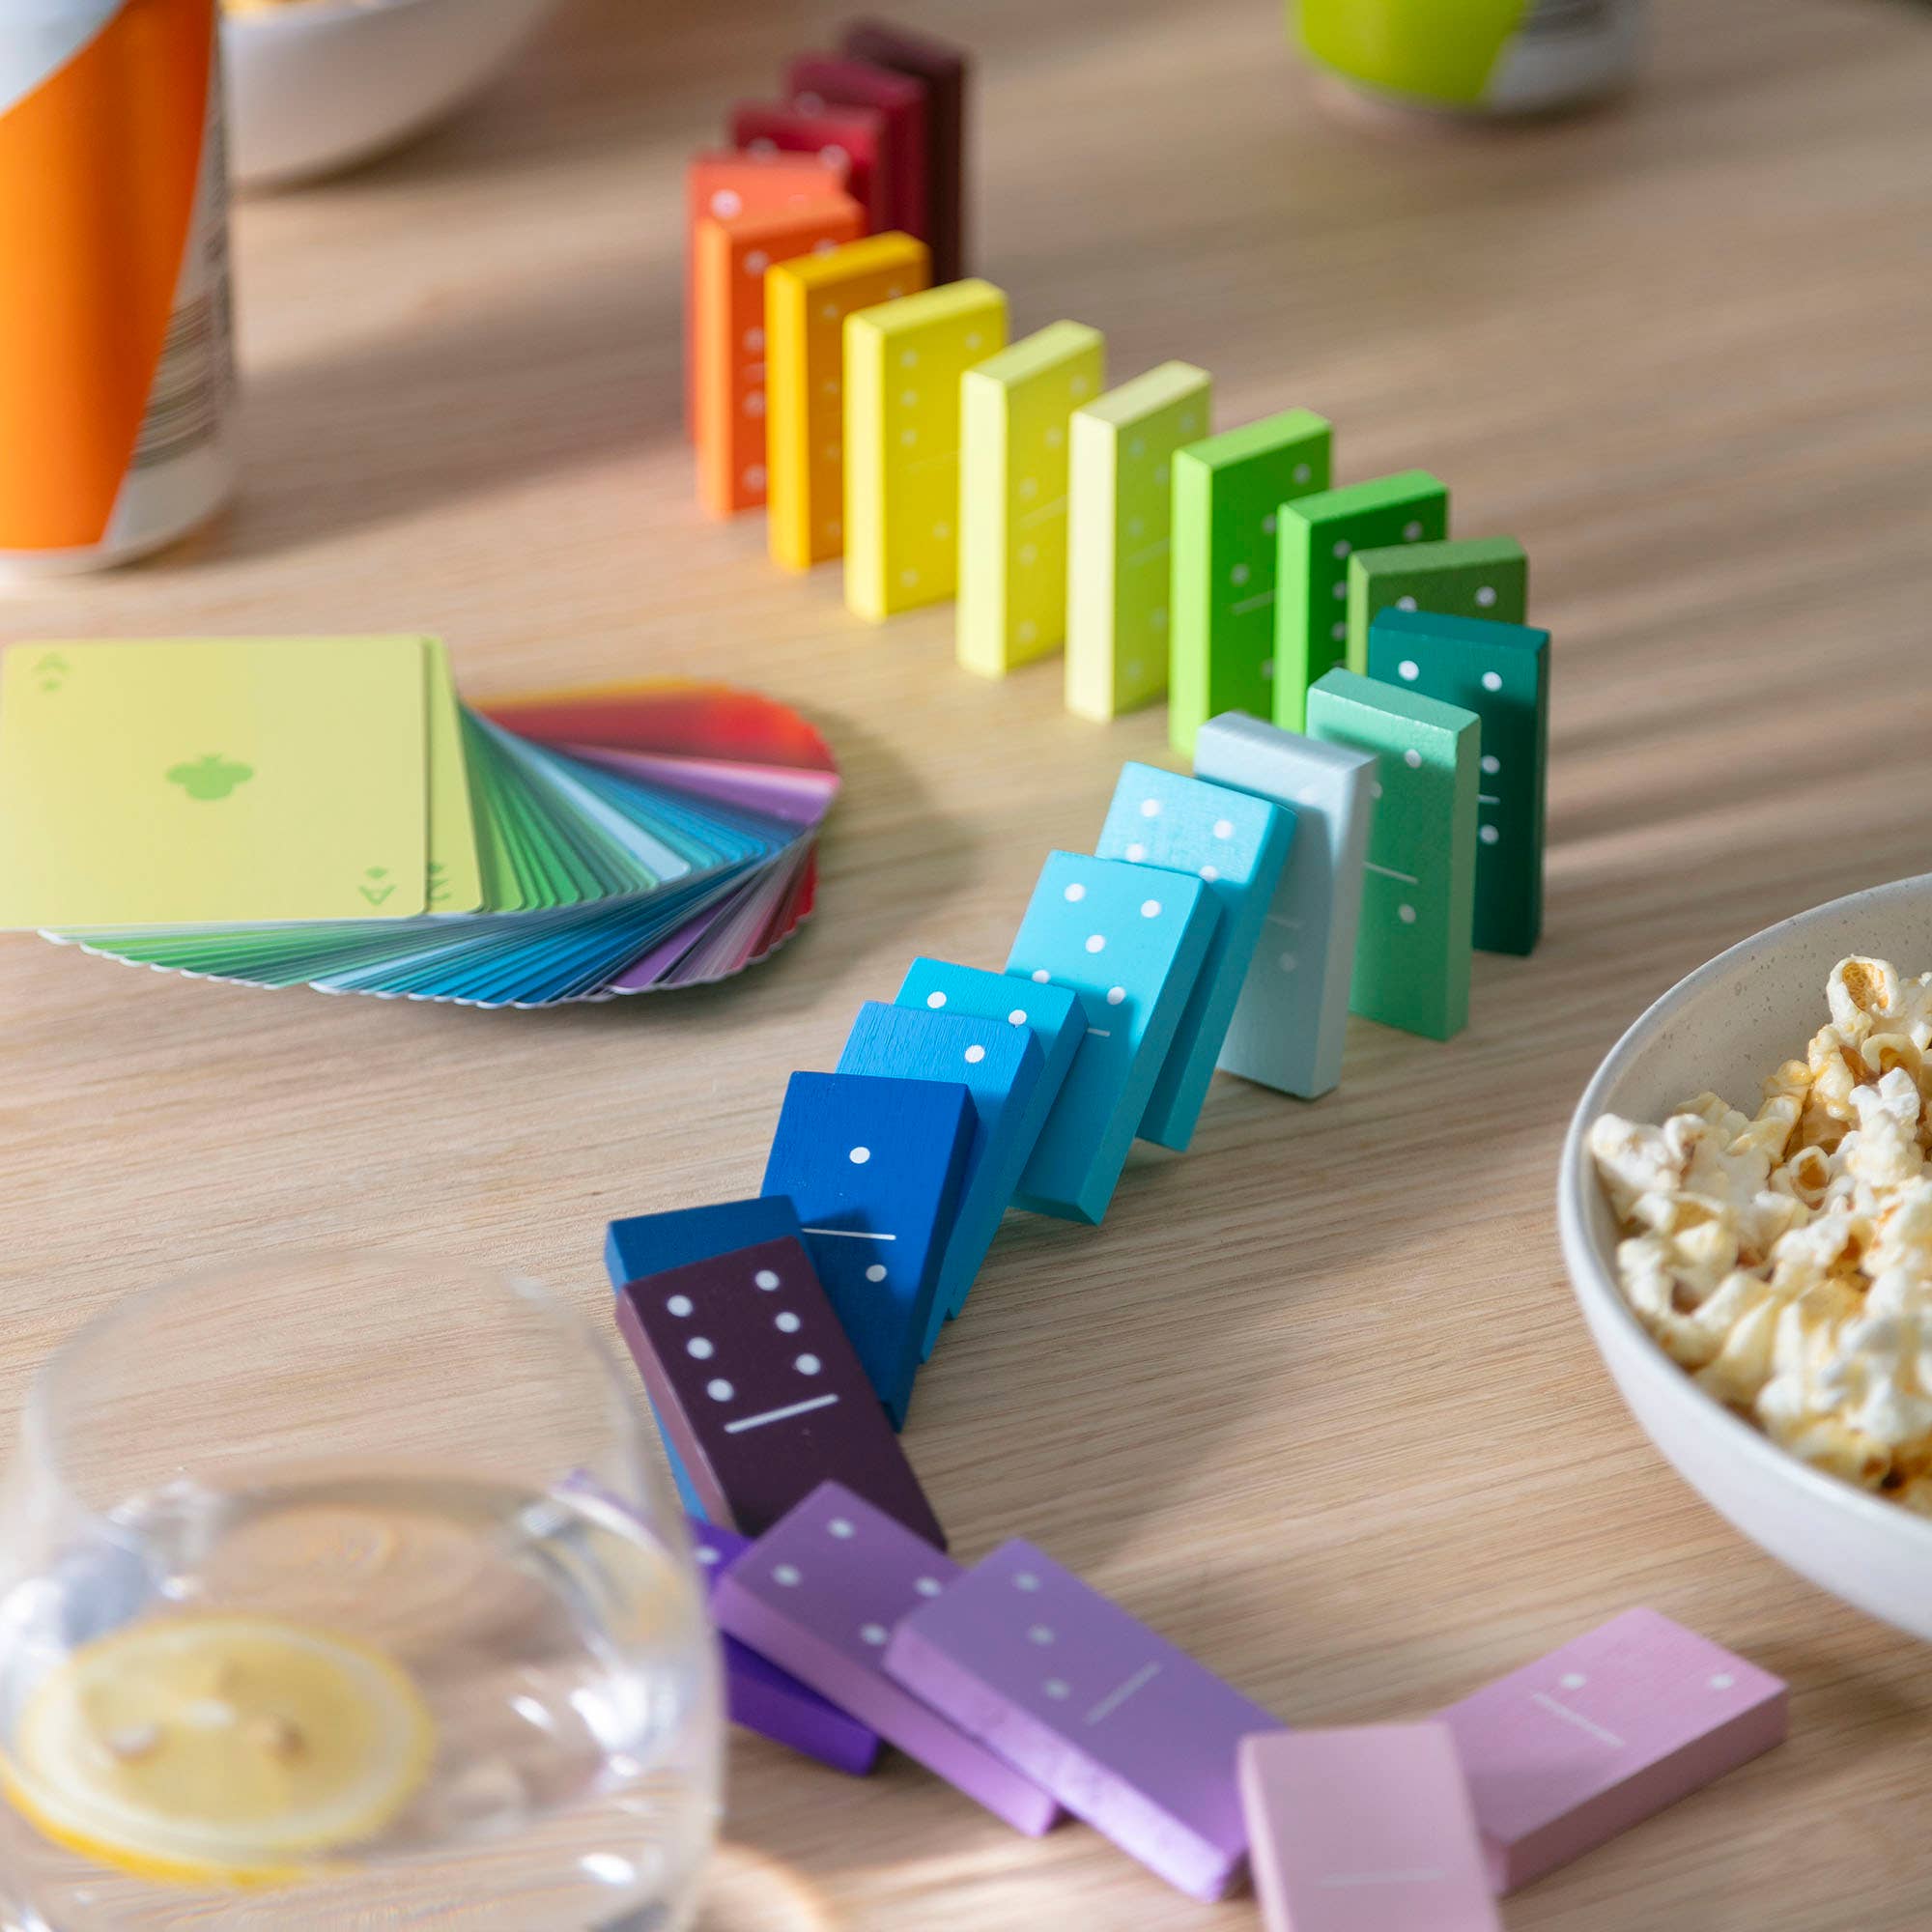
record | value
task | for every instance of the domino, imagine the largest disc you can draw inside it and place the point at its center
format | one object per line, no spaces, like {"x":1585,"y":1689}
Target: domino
{"x":761,"y":1697}
{"x":731,"y":259}
{"x":873,"y":1167}
{"x":1228,"y":493}
{"x":856,"y":136}
{"x":1053,"y":1014}
{"x":818,"y":81}
{"x":1001,"y":1066}
{"x":753,"y":1380}
{"x":1412,"y":959}
{"x":946,"y":72}
{"x":1316,"y":537}
{"x":1127,"y":1732}
{"x":729,"y":184}
{"x":1473,"y":576}
{"x":904,"y":361}
{"x":819,"y":1595}
{"x":1236,"y":844}
{"x":1567,"y":1751}
{"x":1131,"y":947}
{"x":1368,"y":1830}
{"x":1501,"y":672}
{"x":1120,"y":502}
{"x":1291,"y":1018}
{"x":1015,"y":408}
{"x":806,"y":300}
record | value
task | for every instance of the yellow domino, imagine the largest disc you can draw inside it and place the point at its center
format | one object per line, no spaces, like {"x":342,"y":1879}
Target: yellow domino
{"x":1013,"y":493}
{"x":904,"y":361}
{"x":807,"y":302}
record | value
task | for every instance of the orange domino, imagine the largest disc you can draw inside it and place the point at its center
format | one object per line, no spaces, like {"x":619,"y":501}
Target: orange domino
{"x":729,"y":182}
{"x":807,"y":302}
{"x":732,"y":257}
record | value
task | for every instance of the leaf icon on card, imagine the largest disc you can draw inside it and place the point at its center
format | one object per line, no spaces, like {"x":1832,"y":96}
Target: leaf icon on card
{"x":376,"y":894}
{"x":210,"y":776}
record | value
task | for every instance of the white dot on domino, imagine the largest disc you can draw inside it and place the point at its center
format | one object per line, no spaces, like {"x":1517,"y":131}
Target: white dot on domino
{"x":754,"y":403}
{"x":842,"y":1527}
{"x":1239,"y":574}
{"x":873,"y":1633}
{"x":1572,"y":1679}
{"x":754,"y":476}
{"x":928,"y":1586}
{"x":1411,"y":532}
{"x":1040,"y":976}
{"x":807,"y":1365}
{"x":1224,"y":828}
{"x":908,"y":358}
{"x":1149,"y":908}
{"x":1026,"y":630}
{"x":1096,"y":942}
{"x":1056,"y":1687}
{"x":1116,"y":994}
{"x":1492,"y":680}
{"x":876,"y":1271}
{"x":1486,"y":594}
{"x":1017,"y":1018}
{"x":706,"y":1555}
{"x":1723,"y":1681}
{"x":1488,"y":835}
{"x":699,"y":1348}
{"x":680,"y":1304}
{"x":834,"y":156}
{"x":1302,"y":472}
{"x":754,"y":339}
{"x":1286,"y":961}
{"x":1041,"y":1635}
{"x":788,"y":1575}
{"x":757,"y":261}
{"x":1407,"y":914}
{"x":1343,"y":549}
{"x":1135,"y":853}
{"x":720,"y":1390}
{"x":1025,"y":1580}
{"x":726,"y":203}
{"x":1339,"y":588}
{"x":766,"y":1278}
{"x":935,"y":1001}
{"x":1412,"y":758}
{"x":1409,"y":670}
{"x":975,"y":1054}
{"x":1491,"y":763}
{"x":786,"y":1323}
{"x":1150,"y":807}
{"x":1339,"y":632}
{"x":860,"y":1156}
{"x":1268,"y":525}
{"x":1075,"y":892}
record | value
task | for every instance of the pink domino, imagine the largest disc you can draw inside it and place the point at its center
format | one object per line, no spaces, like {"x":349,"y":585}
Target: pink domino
{"x":1567,"y":1751}
{"x":1368,"y":1830}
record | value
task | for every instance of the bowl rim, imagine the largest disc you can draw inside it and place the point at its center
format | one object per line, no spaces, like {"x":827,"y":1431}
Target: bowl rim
{"x":1592,"y":1276}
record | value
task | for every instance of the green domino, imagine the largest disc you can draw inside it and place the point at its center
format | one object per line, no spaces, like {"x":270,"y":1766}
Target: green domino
{"x":1228,"y":493}
{"x":1476,"y":577}
{"x":1501,"y":672}
{"x":1318,"y":536}
{"x":1418,"y":892}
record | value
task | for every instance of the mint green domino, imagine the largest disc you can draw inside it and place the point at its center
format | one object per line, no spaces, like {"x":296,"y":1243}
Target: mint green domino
{"x":1318,"y":536}
{"x":1473,"y":576}
{"x":1413,"y":957}
{"x":1228,"y":493}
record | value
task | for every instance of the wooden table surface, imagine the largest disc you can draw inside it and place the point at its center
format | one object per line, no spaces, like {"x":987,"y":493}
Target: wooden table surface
{"x":1315,"y":1402}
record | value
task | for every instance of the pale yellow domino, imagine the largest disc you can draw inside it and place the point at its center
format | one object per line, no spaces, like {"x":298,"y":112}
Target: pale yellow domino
{"x":1119,"y":521}
{"x":807,"y":302}
{"x":1013,"y":493}
{"x":904,"y":361}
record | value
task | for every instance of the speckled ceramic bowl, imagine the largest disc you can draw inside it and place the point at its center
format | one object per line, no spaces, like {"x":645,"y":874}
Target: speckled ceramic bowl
{"x":1724,"y":1027}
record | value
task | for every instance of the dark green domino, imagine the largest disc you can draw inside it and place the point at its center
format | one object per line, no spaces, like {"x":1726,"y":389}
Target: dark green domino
{"x":1473,"y":576}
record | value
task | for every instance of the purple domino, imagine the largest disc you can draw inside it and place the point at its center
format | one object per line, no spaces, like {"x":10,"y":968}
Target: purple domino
{"x":1127,"y":1732}
{"x":1367,"y":1830}
{"x":819,"y":1594}
{"x":768,"y":1700}
{"x":1595,"y":1737}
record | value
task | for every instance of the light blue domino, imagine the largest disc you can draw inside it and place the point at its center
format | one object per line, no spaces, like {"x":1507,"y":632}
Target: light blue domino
{"x":1053,"y":1014}
{"x":1131,"y":947}
{"x":1236,"y":844}
{"x":1293,"y":1015}
{"x":1001,"y":1066}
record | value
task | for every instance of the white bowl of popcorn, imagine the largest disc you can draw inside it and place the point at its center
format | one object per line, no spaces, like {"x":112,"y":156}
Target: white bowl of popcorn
{"x":1761,"y":1289}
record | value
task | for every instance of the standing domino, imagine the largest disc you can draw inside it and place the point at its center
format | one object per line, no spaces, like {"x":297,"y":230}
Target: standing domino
{"x":1131,"y":947}
{"x":904,"y":361}
{"x":1292,"y":1015}
{"x":1120,"y":521}
{"x":873,"y":1167}
{"x":1014,"y":410}
{"x":819,"y":1595}
{"x":856,"y":137}
{"x":818,"y":81}
{"x":1501,"y":672}
{"x":753,"y":1378}
{"x":1001,"y":1066}
{"x":1474,"y":577}
{"x":1364,"y":1831}
{"x":1053,"y":1014}
{"x":1418,"y":900}
{"x":1127,"y":1732}
{"x":1318,"y":535}
{"x":763,"y":1698}
{"x":1228,"y":493}
{"x":944,"y":71}
{"x":1236,"y":845}
{"x":1567,"y":1751}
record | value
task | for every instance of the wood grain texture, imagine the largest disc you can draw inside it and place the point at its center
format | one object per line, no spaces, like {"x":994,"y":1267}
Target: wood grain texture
{"x":1315,"y":1403}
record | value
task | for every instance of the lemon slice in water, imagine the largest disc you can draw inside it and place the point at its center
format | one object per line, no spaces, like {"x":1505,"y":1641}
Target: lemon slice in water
{"x":219,"y":1750}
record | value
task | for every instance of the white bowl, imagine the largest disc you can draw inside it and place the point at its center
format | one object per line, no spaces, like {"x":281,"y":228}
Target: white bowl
{"x":321,"y":84}
{"x":1724,"y":1027}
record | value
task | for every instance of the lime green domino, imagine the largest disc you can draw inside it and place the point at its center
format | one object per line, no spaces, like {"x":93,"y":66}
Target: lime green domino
{"x":1476,"y":577}
{"x":1228,"y":493}
{"x":1419,"y":895}
{"x":1318,"y":536}
{"x":1015,"y":408}
{"x":1119,"y":503}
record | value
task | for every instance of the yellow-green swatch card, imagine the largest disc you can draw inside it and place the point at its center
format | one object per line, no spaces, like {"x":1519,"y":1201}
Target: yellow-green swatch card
{"x":205,"y":780}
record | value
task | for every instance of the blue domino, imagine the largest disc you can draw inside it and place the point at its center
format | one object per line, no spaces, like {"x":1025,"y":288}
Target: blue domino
{"x":873,"y":1167}
{"x":1053,"y":1014}
{"x":1237,"y":845}
{"x":1000,"y":1065}
{"x":1131,"y":947}
{"x":647,"y":1244}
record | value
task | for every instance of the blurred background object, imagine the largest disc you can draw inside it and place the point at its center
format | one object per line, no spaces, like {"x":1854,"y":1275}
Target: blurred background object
{"x":319,"y":85}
